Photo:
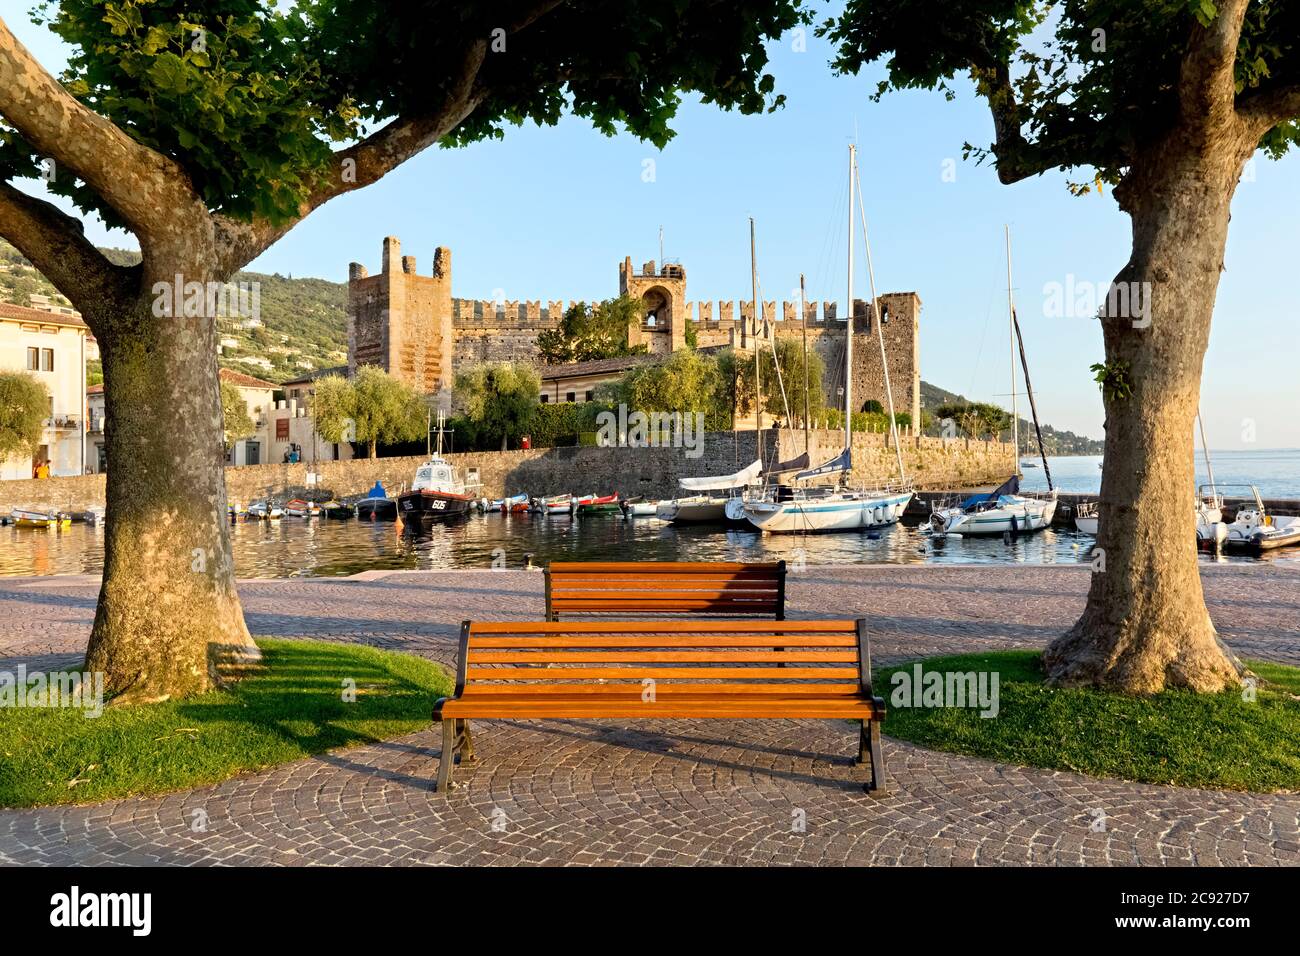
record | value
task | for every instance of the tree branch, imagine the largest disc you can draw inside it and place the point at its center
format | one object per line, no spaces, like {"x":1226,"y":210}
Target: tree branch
{"x":150,"y":192}
{"x":363,"y":163}
{"x":56,"y":245}
{"x":1263,"y":110}
{"x":1207,"y":76}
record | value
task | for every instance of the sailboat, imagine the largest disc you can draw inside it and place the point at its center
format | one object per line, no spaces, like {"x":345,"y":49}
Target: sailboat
{"x":707,"y":504}
{"x":1005,"y":510}
{"x":790,"y":509}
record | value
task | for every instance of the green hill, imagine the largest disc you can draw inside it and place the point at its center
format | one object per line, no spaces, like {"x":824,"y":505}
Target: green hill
{"x":1055,"y":441}
{"x":304,"y":324}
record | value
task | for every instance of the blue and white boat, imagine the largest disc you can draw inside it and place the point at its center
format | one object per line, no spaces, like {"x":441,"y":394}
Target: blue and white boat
{"x":998,"y":512}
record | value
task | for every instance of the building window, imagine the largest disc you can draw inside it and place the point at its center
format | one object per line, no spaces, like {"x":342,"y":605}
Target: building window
{"x":33,"y":360}
{"x":545,"y":398}
{"x":570,"y":396}
{"x":590,"y":394}
{"x":47,"y":360}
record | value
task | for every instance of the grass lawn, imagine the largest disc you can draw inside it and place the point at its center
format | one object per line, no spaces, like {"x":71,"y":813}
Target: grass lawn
{"x":1192,"y":740}
{"x":289,"y":708}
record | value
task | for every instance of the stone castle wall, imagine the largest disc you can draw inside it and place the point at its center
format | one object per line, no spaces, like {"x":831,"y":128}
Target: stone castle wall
{"x":412,"y":325}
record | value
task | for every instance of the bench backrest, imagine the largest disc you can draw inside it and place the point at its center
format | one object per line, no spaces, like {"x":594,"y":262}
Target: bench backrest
{"x":782,"y":658}
{"x":665,"y":587}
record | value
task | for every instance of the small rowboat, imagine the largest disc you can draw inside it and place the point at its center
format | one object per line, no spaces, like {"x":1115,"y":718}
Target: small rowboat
{"x":265,"y":511}
{"x":558,"y":504}
{"x":514,"y":503}
{"x":599,"y":504}
{"x":638,"y":507}
{"x":40,"y":519}
{"x":301,"y":508}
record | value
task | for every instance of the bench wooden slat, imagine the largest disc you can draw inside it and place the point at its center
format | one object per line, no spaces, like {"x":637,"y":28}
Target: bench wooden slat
{"x":596,"y":657}
{"x":665,"y":587}
{"x":807,"y":689}
{"x":658,"y":673}
{"x":563,"y":628}
{"x":667,"y":707}
{"x":674,"y":640}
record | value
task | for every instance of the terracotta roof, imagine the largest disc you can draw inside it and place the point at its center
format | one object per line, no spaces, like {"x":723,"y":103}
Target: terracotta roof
{"x":95,"y":389}
{"x":318,"y":373}
{"x":245,"y":381}
{"x":595,"y":366}
{"x":20,"y":313}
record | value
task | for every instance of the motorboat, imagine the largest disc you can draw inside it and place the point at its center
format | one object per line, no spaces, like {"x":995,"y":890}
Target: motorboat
{"x":1253,"y":530}
{"x":264,"y":511}
{"x":338,"y":510}
{"x":40,"y":519}
{"x":301,"y":508}
{"x":600,"y":505}
{"x":557,"y":504}
{"x":376,"y":505}
{"x":693,"y":509}
{"x":437,"y":493}
{"x":1085,"y":518}
{"x":514,"y":503}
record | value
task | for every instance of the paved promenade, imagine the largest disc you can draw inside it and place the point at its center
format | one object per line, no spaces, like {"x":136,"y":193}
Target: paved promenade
{"x":672,"y":792}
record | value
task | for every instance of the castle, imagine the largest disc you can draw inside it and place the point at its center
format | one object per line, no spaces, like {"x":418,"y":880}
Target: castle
{"x":411,"y":325}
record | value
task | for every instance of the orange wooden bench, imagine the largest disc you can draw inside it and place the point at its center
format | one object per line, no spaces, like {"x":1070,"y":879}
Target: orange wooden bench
{"x":665,"y":587}
{"x":662,"y":669}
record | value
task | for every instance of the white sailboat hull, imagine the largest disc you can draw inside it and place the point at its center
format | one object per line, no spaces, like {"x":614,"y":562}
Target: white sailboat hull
{"x":852,"y":512}
{"x":1031,"y":514}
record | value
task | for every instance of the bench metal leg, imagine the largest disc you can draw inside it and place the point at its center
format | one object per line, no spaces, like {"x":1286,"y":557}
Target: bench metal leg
{"x":448,"y":758}
{"x":864,"y":743}
{"x":465,"y":745}
{"x":879,"y":786}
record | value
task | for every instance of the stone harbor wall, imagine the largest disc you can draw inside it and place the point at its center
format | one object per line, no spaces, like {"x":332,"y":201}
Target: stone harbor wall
{"x":932,"y":462}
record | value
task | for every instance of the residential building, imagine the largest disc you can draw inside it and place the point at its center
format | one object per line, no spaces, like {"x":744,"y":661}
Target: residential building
{"x":578,"y":381}
{"x":51,"y":345}
{"x":96,"y":453}
{"x":259,"y":397}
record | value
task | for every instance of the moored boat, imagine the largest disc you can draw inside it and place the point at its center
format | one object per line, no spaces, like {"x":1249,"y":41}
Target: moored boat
{"x":264,"y":511}
{"x":1253,"y":530}
{"x":23,"y":518}
{"x":638,"y":507}
{"x":438,"y":493}
{"x":376,"y":505}
{"x":600,"y":504}
{"x":301,"y":508}
{"x":338,"y":510}
{"x":1003,"y":510}
{"x":557,"y":504}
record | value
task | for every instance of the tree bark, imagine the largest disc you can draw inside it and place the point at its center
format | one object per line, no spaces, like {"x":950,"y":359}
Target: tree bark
{"x":169,"y":622}
{"x":1145,"y":626}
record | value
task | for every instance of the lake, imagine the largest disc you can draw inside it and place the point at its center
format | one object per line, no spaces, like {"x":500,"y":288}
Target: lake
{"x":1275,"y":472}
{"x":319,"y":547}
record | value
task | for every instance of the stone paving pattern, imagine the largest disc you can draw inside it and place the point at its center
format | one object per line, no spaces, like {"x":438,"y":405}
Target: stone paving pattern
{"x":605,"y":792}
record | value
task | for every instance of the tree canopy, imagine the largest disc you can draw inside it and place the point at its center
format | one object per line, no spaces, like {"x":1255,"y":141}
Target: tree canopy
{"x":24,"y":406}
{"x":789,"y":355}
{"x":499,"y":398}
{"x":373,"y":407}
{"x":588,"y":332}
{"x":1083,"y":83}
{"x":686,"y":381}
{"x":236,"y":422}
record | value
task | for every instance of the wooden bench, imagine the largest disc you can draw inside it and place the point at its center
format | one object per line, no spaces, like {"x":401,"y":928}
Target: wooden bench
{"x":662,"y":669}
{"x":665,"y":587}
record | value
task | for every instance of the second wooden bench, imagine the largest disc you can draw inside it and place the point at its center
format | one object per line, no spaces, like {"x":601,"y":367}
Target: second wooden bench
{"x":665,"y":587}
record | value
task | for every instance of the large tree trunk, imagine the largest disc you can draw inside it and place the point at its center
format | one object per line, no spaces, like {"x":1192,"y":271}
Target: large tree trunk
{"x":1146,"y":626}
{"x":169,"y":622}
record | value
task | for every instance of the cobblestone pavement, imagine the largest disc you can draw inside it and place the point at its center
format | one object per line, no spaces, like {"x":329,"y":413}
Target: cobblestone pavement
{"x":673,"y":792}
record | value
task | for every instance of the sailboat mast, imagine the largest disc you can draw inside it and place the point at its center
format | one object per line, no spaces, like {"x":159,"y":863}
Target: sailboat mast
{"x":803,"y":328}
{"x":848,"y":324}
{"x":758,"y":363}
{"x":1205,"y":450}
{"x":880,"y":333}
{"x":1033,"y":406}
{"x":1011,"y":341}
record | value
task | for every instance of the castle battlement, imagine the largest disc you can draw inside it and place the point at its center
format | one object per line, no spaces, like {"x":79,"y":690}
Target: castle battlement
{"x":411,"y":325}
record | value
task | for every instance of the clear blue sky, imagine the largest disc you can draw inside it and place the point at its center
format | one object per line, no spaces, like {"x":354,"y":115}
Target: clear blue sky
{"x":549,"y":213}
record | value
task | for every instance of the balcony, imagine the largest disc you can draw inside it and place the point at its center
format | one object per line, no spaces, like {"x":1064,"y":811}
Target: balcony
{"x":61,"y":423}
